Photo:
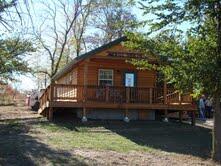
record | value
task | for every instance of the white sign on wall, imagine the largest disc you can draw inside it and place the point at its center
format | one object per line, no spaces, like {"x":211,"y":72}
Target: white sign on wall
{"x":129,"y":79}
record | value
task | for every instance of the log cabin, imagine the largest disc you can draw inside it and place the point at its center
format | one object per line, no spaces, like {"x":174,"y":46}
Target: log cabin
{"x":102,"y":84}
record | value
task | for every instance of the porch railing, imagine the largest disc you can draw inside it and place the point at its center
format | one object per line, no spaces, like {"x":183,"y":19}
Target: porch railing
{"x":113,"y":94}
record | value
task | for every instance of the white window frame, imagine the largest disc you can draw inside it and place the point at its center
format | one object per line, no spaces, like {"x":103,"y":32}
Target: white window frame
{"x":112,"y":71}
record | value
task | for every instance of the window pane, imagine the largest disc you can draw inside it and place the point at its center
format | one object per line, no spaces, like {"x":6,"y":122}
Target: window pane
{"x":106,"y":74}
{"x":102,"y":74}
{"x":105,"y":77}
{"x":110,"y":76}
{"x":105,"y":82}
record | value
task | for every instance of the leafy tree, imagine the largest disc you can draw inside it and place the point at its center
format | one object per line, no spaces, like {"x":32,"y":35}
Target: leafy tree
{"x":193,"y":60}
{"x":12,"y":50}
{"x":12,"y":53}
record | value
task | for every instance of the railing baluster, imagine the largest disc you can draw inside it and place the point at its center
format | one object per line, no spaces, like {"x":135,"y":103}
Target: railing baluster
{"x":127,"y":94}
{"x":150,"y":95}
{"x":76,"y":93}
{"x":107,"y":91}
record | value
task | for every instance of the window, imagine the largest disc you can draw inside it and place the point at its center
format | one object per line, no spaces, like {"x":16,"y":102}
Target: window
{"x":105,"y":77}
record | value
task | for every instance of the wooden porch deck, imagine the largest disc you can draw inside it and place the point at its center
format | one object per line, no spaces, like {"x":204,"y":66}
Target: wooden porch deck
{"x":92,"y":97}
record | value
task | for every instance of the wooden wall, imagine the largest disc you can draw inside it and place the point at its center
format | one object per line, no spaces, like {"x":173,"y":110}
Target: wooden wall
{"x":69,"y":78}
{"x":145,"y":78}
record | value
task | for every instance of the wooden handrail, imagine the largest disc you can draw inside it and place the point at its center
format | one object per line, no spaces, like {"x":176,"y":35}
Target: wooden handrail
{"x":112,"y":94}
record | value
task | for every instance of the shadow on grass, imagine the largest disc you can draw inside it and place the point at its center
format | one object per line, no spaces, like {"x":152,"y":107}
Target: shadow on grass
{"x":170,"y":137}
{"x":19,"y":148}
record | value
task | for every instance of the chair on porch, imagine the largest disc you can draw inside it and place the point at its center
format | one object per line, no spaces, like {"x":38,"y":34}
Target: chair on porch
{"x":116,"y":95}
{"x":100,"y":94}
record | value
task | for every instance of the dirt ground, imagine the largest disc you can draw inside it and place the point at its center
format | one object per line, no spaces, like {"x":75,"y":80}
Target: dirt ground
{"x":23,"y":144}
{"x":136,"y":158}
{"x":14,"y":112}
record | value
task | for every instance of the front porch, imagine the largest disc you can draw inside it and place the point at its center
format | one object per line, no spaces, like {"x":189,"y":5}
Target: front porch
{"x":111,"y":97}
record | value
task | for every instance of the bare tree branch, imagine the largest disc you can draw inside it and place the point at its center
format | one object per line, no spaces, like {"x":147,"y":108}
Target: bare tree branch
{"x":57,"y":43}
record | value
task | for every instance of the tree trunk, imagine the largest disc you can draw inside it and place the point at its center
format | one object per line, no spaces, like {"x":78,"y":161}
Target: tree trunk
{"x":217,"y":131}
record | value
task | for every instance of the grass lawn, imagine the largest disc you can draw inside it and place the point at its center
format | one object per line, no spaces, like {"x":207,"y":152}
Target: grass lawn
{"x":134,"y":136}
{"x":35,"y":141}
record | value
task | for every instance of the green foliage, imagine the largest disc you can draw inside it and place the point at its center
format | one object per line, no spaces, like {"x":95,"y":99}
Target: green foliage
{"x":170,"y":14}
{"x":195,"y":59}
{"x":12,"y":59}
{"x":12,"y":50}
{"x":188,"y":60}
{"x":189,"y":63}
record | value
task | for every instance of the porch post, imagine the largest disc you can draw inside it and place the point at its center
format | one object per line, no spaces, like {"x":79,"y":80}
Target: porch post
{"x":181,"y":116}
{"x":165,"y":91}
{"x":126,"y":119}
{"x":165,"y":115}
{"x":84,"y":117}
{"x":165,"y":100}
{"x":46,"y":114}
{"x":50,"y":114}
{"x":127,"y":94}
{"x":151,"y":96}
{"x":85,"y":79}
{"x":51,"y":93}
{"x":193,"y":120}
{"x":180,"y":99}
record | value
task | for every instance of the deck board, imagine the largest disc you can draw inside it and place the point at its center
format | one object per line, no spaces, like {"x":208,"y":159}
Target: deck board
{"x":106,"y":105}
